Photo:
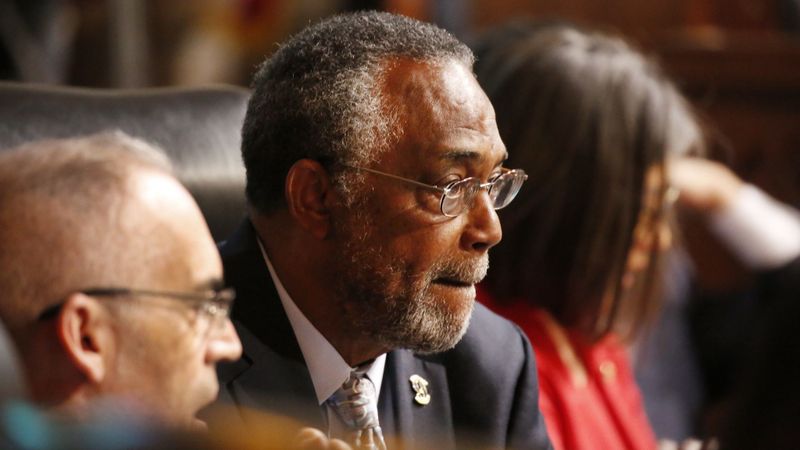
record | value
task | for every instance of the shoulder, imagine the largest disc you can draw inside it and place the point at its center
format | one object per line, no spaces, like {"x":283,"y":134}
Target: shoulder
{"x":242,"y":243}
{"x":244,"y":265}
{"x":494,"y":354}
{"x":493,"y":382}
{"x":492,"y":342}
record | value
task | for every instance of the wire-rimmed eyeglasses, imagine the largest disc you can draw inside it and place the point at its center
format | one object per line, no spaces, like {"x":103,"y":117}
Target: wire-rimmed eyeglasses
{"x":216,"y":303}
{"x":459,"y":195}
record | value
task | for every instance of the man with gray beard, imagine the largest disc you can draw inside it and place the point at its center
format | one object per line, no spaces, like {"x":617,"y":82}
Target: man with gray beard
{"x":374,"y":169}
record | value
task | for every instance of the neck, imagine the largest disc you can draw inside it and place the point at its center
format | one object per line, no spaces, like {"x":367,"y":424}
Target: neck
{"x":52,"y":379}
{"x":358,"y":352}
{"x":303,"y":264}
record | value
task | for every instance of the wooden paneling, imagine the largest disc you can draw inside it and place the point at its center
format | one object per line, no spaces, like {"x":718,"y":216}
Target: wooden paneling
{"x":735,"y":62}
{"x":731,"y":57}
{"x":637,"y":18}
{"x":748,"y":87}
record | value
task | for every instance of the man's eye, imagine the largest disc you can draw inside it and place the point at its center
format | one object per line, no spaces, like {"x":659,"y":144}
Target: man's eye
{"x":448,"y":180}
{"x":495,"y":176}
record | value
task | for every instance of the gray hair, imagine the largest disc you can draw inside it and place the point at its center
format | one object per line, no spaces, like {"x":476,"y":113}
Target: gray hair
{"x":60,"y":203}
{"x":319,"y":96}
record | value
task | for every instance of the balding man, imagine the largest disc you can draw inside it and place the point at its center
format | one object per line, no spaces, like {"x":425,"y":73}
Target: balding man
{"x":111,"y":281}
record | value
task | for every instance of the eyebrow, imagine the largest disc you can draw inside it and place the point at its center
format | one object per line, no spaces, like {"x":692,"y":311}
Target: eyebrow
{"x":212,"y":284}
{"x":467,"y":155}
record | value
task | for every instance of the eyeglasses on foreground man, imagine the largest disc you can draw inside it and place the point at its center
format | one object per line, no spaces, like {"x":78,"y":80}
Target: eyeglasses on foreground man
{"x":113,"y":298}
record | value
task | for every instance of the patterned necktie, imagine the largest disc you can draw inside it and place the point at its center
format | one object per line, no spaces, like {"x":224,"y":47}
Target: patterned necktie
{"x":356,"y":403}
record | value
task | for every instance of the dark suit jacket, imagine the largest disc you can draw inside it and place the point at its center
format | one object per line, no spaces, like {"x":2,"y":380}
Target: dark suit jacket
{"x":483,"y":392}
{"x":763,"y":409}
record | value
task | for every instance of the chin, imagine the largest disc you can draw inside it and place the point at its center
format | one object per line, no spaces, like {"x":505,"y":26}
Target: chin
{"x":197,"y":419}
{"x":440,"y":329}
{"x":198,"y":425}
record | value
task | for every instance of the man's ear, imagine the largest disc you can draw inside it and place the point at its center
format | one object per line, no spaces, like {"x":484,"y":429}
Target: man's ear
{"x":308,"y":196}
{"x":85,"y":332}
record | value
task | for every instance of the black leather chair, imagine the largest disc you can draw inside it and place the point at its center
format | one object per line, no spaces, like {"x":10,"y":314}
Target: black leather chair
{"x":198,"y":128}
{"x":11,"y":384}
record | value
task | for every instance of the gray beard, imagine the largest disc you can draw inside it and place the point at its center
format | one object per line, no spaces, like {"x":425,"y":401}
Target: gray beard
{"x":382,"y":299}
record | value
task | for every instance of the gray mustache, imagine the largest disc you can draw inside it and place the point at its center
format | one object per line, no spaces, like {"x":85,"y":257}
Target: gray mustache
{"x":471,"y":272}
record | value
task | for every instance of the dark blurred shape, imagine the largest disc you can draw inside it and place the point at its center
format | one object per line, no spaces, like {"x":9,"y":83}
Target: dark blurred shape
{"x":197,"y":128}
{"x":790,"y":15}
{"x":26,"y":427}
{"x":11,"y":384}
{"x":35,"y":38}
{"x":361,"y":5}
{"x":765,"y":409}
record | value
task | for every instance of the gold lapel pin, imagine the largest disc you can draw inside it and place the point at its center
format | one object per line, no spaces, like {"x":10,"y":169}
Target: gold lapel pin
{"x":420,"y":387}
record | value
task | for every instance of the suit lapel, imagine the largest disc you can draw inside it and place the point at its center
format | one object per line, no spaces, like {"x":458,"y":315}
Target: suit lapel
{"x":271,"y":374}
{"x":401,"y":415}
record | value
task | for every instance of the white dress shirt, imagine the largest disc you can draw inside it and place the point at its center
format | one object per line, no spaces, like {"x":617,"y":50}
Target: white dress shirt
{"x":326,"y":366}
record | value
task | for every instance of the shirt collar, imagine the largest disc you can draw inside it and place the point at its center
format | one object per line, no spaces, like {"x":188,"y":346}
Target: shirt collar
{"x":326,"y":366}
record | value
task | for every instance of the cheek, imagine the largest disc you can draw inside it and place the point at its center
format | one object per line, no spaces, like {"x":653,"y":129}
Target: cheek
{"x":186,"y":375}
{"x":401,"y":245}
{"x":407,"y":262}
{"x":176,"y":350}
{"x":161,"y":366}
{"x":428,"y":243}
{"x":189,"y":351}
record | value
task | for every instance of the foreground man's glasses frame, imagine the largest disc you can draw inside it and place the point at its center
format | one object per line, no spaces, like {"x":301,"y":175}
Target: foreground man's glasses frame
{"x":459,"y":195}
{"x":215,"y":303}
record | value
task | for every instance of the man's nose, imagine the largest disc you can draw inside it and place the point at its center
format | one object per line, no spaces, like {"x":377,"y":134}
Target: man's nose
{"x":483,"y":229}
{"x":224,"y":344}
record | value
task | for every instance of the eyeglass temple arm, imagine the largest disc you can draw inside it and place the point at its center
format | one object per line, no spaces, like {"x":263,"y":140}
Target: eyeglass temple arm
{"x":398,"y":178}
{"x":150,"y":293}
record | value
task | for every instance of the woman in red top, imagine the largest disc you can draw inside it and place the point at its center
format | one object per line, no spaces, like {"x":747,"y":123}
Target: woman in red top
{"x":591,"y":121}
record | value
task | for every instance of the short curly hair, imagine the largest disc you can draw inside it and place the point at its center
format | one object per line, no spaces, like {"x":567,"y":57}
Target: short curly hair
{"x":319,"y":96}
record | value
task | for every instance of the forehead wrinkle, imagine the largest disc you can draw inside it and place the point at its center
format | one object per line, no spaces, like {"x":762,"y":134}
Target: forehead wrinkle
{"x":441,"y":106}
{"x":461,"y":155}
{"x":469,"y":156}
{"x":413,"y":89}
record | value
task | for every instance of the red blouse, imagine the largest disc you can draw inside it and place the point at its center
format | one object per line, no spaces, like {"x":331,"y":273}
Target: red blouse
{"x":588,"y":395}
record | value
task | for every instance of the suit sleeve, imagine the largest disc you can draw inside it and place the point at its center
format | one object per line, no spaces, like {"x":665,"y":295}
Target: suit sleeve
{"x":494,"y":387}
{"x":526,"y":427}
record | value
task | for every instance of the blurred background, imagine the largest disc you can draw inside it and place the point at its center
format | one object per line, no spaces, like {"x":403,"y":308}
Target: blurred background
{"x":738,"y":61}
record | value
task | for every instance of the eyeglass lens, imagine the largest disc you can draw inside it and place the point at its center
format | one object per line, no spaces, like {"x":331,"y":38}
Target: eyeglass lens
{"x":460,"y":195}
{"x":216,"y":312}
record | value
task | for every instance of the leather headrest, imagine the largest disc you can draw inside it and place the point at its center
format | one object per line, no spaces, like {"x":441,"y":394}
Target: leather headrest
{"x":198,"y":128}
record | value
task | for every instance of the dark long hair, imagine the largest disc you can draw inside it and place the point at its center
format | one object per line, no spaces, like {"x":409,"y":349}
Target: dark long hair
{"x":585,"y":116}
